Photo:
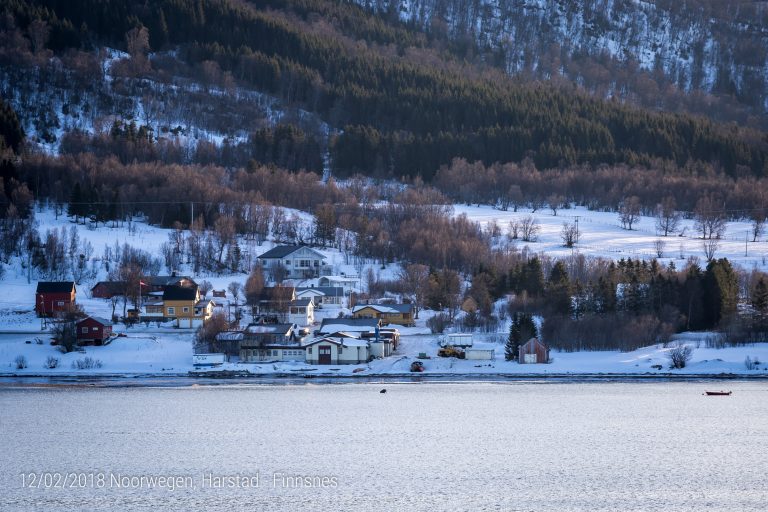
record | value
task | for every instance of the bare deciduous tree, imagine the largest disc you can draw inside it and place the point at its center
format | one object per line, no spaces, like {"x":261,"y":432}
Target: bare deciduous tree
{"x":415,"y":279}
{"x":710,"y":246}
{"x":529,"y":229}
{"x":555,"y":202}
{"x":658,"y":246}
{"x":569,"y":234}
{"x":710,"y":219}
{"x":667,"y":217}
{"x":514,"y":230}
{"x":629,"y":212}
{"x":757,"y":226}
{"x":679,"y":355}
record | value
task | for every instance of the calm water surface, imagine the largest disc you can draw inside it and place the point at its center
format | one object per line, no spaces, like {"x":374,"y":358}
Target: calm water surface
{"x":428,"y":446}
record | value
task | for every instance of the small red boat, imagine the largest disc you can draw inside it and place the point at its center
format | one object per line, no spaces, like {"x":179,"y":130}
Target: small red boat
{"x":717,"y":393}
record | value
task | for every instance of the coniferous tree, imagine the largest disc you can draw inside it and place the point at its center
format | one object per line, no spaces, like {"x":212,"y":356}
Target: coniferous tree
{"x":760,"y":296}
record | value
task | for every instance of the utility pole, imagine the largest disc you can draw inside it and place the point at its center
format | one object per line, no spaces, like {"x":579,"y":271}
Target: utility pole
{"x":746,"y":242}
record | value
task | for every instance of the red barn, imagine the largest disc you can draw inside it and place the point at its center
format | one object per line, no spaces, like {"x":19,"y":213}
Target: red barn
{"x":107,"y":289}
{"x":54,"y":297}
{"x":93,"y":330}
{"x":533,"y":351}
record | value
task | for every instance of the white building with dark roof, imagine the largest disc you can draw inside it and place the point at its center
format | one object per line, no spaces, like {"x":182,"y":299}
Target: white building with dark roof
{"x":297,"y":262}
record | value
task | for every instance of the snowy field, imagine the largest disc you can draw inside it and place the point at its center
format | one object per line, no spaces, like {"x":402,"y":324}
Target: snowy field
{"x":163,"y":350}
{"x":601,"y":235}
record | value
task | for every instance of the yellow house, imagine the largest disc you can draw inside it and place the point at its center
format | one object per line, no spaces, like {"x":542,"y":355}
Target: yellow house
{"x":184,"y":305}
{"x":401,"y":314}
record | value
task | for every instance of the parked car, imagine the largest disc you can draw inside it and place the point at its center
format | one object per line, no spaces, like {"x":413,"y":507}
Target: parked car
{"x":417,"y":366}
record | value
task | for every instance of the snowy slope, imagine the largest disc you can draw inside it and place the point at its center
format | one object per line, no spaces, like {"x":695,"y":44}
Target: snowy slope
{"x":601,"y":235}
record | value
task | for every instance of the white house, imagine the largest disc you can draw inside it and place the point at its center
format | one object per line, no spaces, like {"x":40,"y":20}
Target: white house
{"x":339,"y":349}
{"x":347,"y":283}
{"x":301,"y":312}
{"x":332,"y":296}
{"x":297,"y":262}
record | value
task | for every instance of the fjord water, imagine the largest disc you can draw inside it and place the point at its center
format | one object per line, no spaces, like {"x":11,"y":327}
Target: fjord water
{"x":421,"y":446}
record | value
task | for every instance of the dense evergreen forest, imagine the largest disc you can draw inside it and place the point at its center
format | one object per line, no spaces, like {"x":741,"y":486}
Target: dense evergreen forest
{"x":404,"y":103}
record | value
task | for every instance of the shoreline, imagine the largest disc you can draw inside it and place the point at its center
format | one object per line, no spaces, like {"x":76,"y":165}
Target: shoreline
{"x":8,"y":380}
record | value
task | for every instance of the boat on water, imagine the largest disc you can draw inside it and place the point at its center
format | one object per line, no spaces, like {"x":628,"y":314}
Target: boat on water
{"x":717,"y":393}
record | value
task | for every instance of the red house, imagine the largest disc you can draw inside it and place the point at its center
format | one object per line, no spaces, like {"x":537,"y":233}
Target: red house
{"x":54,"y":297}
{"x":533,"y":351}
{"x":93,"y":330}
{"x":107,"y":289}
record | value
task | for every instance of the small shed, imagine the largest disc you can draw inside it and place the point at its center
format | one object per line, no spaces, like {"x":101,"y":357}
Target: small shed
{"x":533,"y":351}
{"x":93,"y":330}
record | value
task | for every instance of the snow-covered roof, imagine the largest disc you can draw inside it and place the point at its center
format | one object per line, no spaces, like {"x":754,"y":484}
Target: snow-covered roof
{"x":331,"y":325}
{"x":230,"y":336}
{"x":268,"y":328}
{"x":385,"y":308}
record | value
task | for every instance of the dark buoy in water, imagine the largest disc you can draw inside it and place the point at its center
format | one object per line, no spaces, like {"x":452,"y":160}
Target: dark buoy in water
{"x":383,"y":391}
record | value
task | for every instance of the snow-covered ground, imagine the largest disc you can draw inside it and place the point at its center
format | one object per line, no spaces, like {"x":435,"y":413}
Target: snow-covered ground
{"x":601,"y":235}
{"x":169,"y":352}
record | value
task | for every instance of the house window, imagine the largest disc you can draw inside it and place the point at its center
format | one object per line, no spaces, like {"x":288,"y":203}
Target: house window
{"x":309,"y":350}
{"x":171,"y":311}
{"x":274,"y":353}
{"x":60,"y":303}
{"x":185,"y":310}
{"x":94,"y":329}
{"x":340,"y":349}
{"x":287,"y":263}
{"x":85,"y":329}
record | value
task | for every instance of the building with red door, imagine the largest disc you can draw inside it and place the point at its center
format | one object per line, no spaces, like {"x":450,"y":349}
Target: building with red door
{"x":54,"y":297}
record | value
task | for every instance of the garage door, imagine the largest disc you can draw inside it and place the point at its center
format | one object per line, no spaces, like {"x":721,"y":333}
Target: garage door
{"x":324,"y":355}
{"x":530,"y":358}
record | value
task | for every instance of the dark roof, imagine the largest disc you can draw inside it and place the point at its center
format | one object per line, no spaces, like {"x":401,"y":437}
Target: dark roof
{"x":102,"y":321}
{"x":55,"y":286}
{"x":113,"y":286}
{"x":165,"y":280}
{"x":180,"y":293}
{"x":281,"y":251}
{"x":328,"y":291}
{"x":300,"y":302}
{"x":275,"y":293}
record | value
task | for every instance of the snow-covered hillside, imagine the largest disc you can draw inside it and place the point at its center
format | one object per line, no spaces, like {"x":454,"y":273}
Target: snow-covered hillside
{"x":709,"y":46}
{"x":601,"y":234}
